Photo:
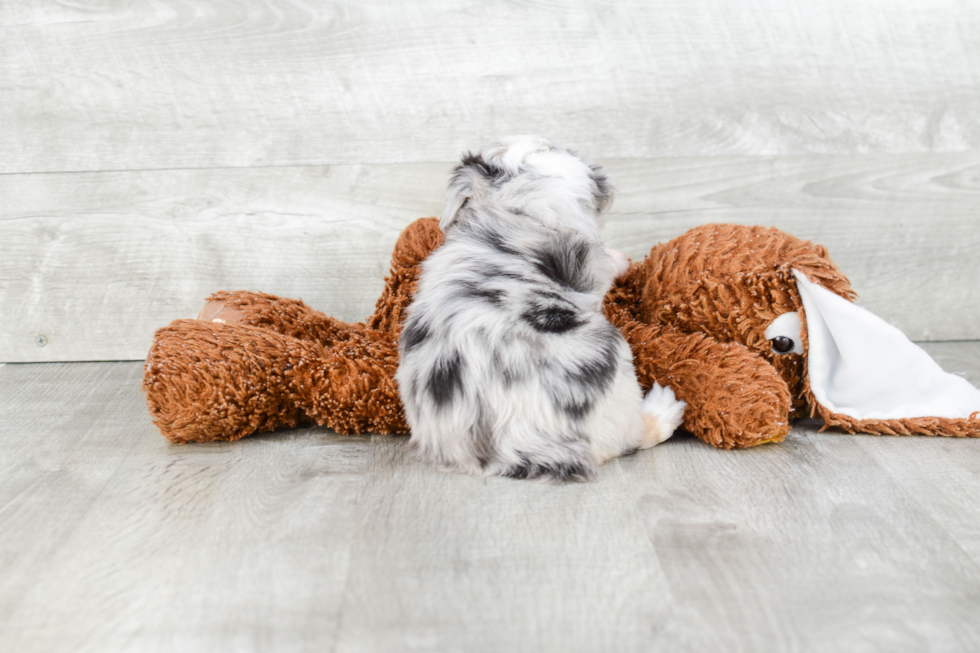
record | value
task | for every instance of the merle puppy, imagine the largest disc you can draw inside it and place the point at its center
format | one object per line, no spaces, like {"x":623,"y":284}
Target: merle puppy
{"x":508,"y":365}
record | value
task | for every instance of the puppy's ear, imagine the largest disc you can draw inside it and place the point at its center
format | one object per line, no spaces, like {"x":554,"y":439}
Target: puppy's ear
{"x":474,"y":175}
{"x":604,"y":191}
{"x":459,"y":193}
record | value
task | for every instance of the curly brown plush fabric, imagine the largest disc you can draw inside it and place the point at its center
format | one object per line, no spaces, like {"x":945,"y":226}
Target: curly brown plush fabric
{"x":695,"y":312}
{"x":254,"y":362}
{"x":712,"y":292}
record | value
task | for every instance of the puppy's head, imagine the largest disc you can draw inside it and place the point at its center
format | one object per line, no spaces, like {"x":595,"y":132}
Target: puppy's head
{"x":529,"y":175}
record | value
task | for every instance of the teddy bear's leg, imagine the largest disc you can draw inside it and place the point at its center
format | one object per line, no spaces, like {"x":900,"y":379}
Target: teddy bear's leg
{"x":352,"y":389}
{"x":211,"y":381}
{"x":293,"y":318}
{"x":254,"y":362}
{"x":734,"y":397}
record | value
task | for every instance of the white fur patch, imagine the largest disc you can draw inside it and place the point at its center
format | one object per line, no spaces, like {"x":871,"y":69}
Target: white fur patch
{"x":620,"y":260}
{"x":663,"y":413}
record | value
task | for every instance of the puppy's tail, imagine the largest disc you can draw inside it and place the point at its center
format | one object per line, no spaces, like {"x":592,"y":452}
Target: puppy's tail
{"x":662,"y":414}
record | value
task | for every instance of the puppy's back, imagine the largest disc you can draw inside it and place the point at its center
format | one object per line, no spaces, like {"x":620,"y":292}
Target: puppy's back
{"x":508,"y":365}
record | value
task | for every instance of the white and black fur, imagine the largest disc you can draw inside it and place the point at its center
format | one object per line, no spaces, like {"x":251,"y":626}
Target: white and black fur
{"x":508,"y":365}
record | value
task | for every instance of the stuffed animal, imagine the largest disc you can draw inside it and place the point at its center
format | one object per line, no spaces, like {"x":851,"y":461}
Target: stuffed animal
{"x":750,"y":326}
{"x":753,"y":327}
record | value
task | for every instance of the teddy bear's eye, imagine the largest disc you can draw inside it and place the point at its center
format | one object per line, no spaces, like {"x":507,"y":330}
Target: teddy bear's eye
{"x":785,"y":333}
{"x":782,"y":344}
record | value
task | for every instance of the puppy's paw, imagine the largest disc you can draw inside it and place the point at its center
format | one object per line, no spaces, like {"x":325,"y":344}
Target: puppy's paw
{"x":552,"y":472}
{"x":662,"y":414}
{"x":576,"y":464}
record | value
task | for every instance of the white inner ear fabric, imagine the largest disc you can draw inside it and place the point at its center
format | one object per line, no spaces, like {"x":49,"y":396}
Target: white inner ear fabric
{"x":863,"y":367}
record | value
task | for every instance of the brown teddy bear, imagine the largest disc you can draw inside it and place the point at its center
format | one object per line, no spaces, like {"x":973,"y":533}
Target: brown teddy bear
{"x":718,"y":314}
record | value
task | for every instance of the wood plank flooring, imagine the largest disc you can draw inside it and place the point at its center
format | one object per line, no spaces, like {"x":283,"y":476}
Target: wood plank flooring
{"x":111,"y":539}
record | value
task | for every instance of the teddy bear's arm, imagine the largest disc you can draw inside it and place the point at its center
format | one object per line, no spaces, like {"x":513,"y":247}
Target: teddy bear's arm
{"x":734,"y":397}
{"x":254,"y":362}
{"x":288,"y":317}
{"x":291,"y":317}
{"x":414,"y":245}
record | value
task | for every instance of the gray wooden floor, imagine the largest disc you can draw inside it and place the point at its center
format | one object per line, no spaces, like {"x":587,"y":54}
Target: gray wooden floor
{"x":111,"y":539}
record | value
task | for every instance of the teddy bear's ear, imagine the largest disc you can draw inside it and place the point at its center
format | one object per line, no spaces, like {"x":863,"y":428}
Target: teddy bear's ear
{"x":469,"y":178}
{"x":863,"y":368}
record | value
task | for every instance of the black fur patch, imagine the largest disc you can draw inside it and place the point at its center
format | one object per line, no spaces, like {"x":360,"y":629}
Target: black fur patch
{"x":482,"y":436}
{"x":576,"y":409}
{"x":474,"y":290}
{"x":558,"y":471}
{"x":446,"y":380}
{"x":591,"y":378}
{"x":414,"y":334}
{"x":550,"y":318}
{"x":594,"y":376}
{"x":491,"y":271}
{"x":491,"y":173}
{"x":508,"y":374}
{"x":496,"y":241}
{"x":550,"y":295}
{"x":565,"y":263}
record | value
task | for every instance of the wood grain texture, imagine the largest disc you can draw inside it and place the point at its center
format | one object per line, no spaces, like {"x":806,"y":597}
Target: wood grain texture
{"x":95,"y":262}
{"x":444,"y":562}
{"x":111,"y":539}
{"x":904,"y":229}
{"x":945,"y":486}
{"x":809,"y":545}
{"x":169,"y":84}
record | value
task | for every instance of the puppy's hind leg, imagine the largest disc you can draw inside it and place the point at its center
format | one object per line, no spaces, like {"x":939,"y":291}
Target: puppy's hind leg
{"x":662,"y":414}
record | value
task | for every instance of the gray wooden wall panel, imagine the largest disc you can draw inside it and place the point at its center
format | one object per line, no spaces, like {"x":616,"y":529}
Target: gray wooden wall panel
{"x":904,"y":228}
{"x":157,"y":151}
{"x":95,"y":262}
{"x":167,"y":84}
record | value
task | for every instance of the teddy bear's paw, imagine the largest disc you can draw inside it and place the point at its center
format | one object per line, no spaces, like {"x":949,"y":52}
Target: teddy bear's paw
{"x":220,"y":312}
{"x":663,"y":413}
